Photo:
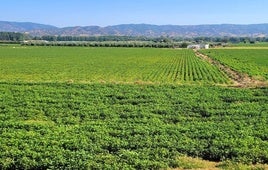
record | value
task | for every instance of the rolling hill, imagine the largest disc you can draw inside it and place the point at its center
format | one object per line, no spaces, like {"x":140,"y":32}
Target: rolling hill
{"x":219,"y":30}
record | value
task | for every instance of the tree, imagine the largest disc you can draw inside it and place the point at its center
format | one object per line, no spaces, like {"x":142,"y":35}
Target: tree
{"x":184,"y":45}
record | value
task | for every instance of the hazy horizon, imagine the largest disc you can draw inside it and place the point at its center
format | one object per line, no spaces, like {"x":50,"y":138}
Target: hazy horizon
{"x":130,"y":24}
{"x":103,"y":13}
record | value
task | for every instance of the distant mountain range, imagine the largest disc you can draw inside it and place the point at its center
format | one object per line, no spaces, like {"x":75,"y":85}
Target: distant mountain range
{"x":35,"y":29}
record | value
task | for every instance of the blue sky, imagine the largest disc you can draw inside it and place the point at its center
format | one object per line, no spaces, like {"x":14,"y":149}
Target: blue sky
{"x":63,"y":13}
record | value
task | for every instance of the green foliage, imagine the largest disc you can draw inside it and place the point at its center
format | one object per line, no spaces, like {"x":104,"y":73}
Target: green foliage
{"x":128,"y":44}
{"x":184,"y":45}
{"x":248,"y":44}
{"x":122,"y":108}
{"x":108,"y":126}
{"x":251,"y":61}
{"x":119,"y":65}
{"x":12,"y":36}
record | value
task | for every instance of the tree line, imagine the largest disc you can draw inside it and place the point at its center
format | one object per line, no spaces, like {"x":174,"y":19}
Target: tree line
{"x":120,"y":41}
{"x":154,"y":39}
{"x":148,"y":44}
{"x":13,"y":36}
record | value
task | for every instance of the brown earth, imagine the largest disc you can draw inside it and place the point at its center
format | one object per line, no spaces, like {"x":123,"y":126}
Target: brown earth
{"x":191,"y":163}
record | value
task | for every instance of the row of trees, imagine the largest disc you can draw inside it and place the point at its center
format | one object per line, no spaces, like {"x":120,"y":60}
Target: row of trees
{"x":12,"y":36}
{"x":92,"y":38}
{"x":16,"y":37}
{"x":154,"y":39}
{"x":148,"y":44}
{"x":223,"y":39}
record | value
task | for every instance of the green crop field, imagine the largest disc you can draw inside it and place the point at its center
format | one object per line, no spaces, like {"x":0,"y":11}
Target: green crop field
{"x":254,"y":62}
{"x":106,"y":126}
{"x":116,"y":65}
{"x":256,"y":44}
{"x":126,"y":108}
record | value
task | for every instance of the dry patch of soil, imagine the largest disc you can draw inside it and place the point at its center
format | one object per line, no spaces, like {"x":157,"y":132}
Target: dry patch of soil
{"x":190,"y":163}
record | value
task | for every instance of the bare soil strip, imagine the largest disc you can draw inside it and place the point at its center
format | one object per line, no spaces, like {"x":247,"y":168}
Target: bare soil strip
{"x":238,"y":79}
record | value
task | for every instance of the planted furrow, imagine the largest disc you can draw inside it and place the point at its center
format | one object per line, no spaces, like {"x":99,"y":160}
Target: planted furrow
{"x":177,"y":69}
{"x":108,"y":65}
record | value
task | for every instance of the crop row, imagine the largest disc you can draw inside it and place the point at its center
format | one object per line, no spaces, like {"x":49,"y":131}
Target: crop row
{"x":186,"y":67}
{"x":74,"y":126}
{"x":253,"y":62}
{"x":64,"y":64}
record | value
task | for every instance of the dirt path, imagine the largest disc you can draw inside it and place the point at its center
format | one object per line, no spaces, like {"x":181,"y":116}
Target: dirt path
{"x":238,"y":79}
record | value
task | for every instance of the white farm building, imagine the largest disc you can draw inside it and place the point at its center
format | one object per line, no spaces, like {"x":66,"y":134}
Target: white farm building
{"x":198,"y":46}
